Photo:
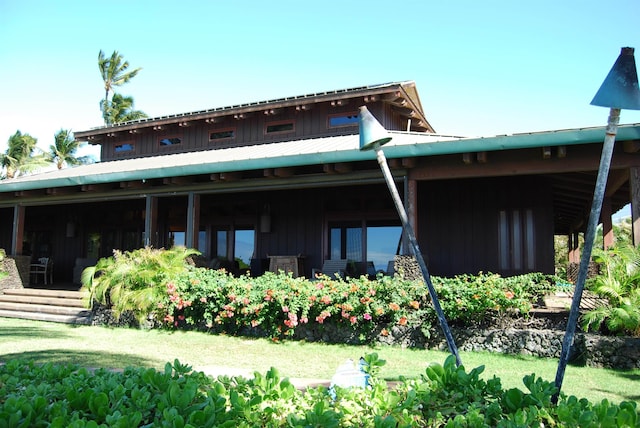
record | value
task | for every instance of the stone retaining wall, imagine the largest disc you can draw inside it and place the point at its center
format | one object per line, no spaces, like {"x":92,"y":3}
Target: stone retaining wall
{"x":18,"y":269}
{"x":588,"y":349}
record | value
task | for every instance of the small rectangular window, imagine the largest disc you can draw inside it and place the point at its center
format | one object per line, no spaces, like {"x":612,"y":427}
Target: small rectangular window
{"x":279,"y":127}
{"x":170,"y":141}
{"x":344,"y":119}
{"x":124,"y":147}
{"x":222,"y":134}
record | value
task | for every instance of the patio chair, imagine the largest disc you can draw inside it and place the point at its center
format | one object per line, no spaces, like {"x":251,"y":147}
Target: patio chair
{"x":44,"y":267}
{"x":332,"y":268}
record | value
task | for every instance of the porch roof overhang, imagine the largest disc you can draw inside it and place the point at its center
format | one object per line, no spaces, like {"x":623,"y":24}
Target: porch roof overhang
{"x":314,"y":151}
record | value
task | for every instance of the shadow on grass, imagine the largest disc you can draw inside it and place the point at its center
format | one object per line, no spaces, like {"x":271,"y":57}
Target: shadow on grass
{"x":85,"y":359}
{"x":24,"y":332}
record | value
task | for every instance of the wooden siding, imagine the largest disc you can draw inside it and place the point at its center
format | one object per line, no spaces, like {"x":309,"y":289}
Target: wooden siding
{"x":249,"y":130}
{"x":458,"y":222}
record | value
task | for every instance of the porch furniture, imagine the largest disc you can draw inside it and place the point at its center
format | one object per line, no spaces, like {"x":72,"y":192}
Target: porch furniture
{"x":293,"y":264}
{"x":332,"y":269}
{"x":43,"y":267}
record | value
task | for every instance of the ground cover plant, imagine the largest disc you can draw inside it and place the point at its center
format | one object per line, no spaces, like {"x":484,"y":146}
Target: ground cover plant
{"x":444,"y":395}
{"x":116,"y":348}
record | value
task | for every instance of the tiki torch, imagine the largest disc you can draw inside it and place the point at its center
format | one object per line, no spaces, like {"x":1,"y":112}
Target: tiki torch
{"x":618,"y":91}
{"x":374,"y":136}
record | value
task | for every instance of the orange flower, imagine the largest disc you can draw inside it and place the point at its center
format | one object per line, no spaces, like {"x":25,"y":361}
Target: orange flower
{"x":384,"y":332}
{"x":414,"y":304}
{"x":509,"y":295}
{"x":394,"y":306}
{"x":402,"y":321}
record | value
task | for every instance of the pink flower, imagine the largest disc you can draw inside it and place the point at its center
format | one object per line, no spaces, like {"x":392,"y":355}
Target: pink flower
{"x":285,"y":309}
{"x":367,"y":317}
{"x":203,"y":299}
{"x":353,"y":320}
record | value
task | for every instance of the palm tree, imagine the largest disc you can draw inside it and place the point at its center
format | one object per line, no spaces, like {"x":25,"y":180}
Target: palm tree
{"x":114,"y":73}
{"x":63,"y":151}
{"x":19,"y":158}
{"x":121,"y":109}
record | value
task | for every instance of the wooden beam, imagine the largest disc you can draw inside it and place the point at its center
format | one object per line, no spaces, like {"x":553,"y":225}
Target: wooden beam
{"x":343,"y":167}
{"x":503,"y":164}
{"x":284,"y":172}
{"x":631,"y":146}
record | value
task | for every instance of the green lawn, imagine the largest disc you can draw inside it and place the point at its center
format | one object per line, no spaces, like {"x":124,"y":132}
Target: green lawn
{"x":118,"y":348}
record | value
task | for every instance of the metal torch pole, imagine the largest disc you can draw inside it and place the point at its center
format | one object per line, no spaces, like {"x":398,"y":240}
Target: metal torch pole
{"x":594,"y":218}
{"x":408,"y":230}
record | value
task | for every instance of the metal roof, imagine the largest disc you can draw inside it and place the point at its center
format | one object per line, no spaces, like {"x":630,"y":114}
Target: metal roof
{"x":407,"y":86}
{"x":313,"y":151}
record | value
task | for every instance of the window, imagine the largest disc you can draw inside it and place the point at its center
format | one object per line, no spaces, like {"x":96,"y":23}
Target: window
{"x":124,"y":148}
{"x":237,"y":245}
{"x":170,"y":141}
{"x":222,"y":134}
{"x":344,"y":119}
{"x":279,"y":127}
{"x":373,"y":242}
{"x":516,"y":240}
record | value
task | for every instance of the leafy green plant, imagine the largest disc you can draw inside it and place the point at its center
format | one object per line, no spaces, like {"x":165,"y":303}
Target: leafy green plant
{"x":3,"y":255}
{"x":619,"y":283}
{"x":447,"y":395}
{"x":134,"y":280}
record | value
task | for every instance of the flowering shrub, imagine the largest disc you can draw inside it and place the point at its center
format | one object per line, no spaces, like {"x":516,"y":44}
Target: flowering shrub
{"x":276,"y":304}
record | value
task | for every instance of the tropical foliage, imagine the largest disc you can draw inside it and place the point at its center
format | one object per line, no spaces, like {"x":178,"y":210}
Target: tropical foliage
{"x":134,"y":281}
{"x":22,"y":156}
{"x":63,"y":151}
{"x":114,"y":71}
{"x":446,"y":395}
{"x":164,"y":286}
{"x":619,"y":284}
{"x":3,"y":255}
{"x":121,"y":109}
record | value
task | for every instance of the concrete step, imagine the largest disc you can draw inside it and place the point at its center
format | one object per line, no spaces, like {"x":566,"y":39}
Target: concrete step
{"x":46,"y":309}
{"x":45,"y":305}
{"x":66,"y":319}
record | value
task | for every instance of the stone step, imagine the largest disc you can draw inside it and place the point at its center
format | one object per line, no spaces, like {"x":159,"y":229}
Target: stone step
{"x":37,"y":300}
{"x":67,"y":294}
{"x":36,"y":316}
{"x":61,"y":306}
{"x":45,"y":309}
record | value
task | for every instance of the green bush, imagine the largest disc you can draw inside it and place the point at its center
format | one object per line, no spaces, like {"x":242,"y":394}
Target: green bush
{"x":619,"y":284}
{"x":164,"y":286}
{"x":445,"y":396}
{"x":134,"y":280}
{"x":275,"y":304}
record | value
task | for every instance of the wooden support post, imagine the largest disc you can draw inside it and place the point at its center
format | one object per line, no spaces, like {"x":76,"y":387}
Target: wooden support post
{"x":18,"y":230}
{"x":608,"y":239}
{"x":151,"y":222}
{"x":634,"y":184}
{"x":193,"y":220}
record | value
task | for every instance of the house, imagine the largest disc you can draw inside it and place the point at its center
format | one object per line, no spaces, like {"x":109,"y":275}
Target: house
{"x":285,"y":177}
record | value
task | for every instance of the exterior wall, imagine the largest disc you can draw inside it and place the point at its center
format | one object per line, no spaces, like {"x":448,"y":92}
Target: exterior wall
{"x":248,"y":131}
{"x":459,"y":223}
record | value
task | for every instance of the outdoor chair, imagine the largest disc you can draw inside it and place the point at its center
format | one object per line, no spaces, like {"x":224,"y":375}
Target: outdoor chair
{"x":332,"y":269}
{"x":44,"y":267}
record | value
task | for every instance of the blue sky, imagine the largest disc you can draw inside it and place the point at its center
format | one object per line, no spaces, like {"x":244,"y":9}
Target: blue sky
{"x":481,"y":67}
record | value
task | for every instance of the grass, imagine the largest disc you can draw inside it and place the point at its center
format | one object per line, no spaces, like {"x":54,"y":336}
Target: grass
{"x":101,"y":347}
